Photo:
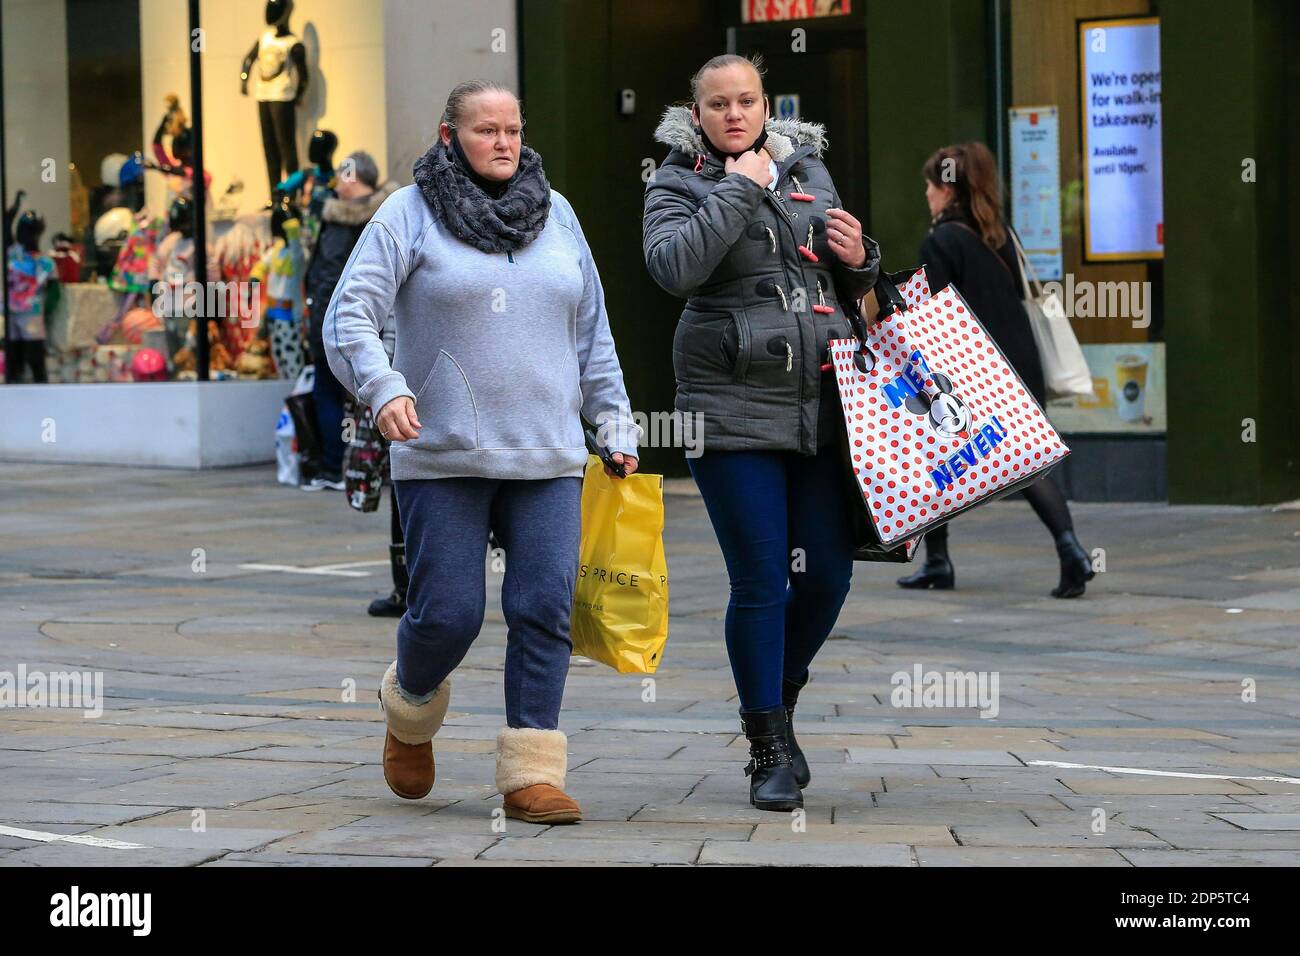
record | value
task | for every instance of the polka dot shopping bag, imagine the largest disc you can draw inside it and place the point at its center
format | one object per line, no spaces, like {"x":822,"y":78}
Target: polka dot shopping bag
{"x":937,"y":421}
{"x":911,"y":285}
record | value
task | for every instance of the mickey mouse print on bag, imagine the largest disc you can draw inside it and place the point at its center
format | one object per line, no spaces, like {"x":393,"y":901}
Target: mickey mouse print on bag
{"x":937,"y":419}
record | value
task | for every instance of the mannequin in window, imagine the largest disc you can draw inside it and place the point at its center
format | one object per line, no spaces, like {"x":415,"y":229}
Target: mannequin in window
{"x":280,"y":273}
{"x":281,"y":84}
{"x":313,"y":185}
{"x":172,"y":276}
{"x":173,"y":152}
{"x":33,"y":294}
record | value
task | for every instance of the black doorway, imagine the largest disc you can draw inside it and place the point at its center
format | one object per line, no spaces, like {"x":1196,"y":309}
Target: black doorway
{"x":829,"y":75}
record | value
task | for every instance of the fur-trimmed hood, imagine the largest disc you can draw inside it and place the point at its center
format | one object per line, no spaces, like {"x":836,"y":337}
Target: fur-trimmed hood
{"x":357,"y":212}
{"x":784,"y":136}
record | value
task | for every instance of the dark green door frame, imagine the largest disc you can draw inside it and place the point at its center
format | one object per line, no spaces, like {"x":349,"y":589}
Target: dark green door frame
{"x":1230,"y":100}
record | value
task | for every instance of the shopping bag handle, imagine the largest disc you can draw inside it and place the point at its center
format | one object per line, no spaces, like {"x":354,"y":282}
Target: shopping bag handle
{"x":890,"y":301}
{"x":604,"y":454}
{"x":888,"y":297}
{"x":863,"y":358}
{"x":859,"y":325}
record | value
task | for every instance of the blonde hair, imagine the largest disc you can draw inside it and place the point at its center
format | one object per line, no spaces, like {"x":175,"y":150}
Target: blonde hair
{"x":454,"y":112}
{"x":724,"y":60}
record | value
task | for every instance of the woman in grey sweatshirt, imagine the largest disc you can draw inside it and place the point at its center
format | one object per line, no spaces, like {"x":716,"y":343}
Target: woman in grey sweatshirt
{"x":502,"y":347}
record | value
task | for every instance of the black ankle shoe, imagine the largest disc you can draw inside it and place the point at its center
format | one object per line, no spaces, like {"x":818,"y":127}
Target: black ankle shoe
{"x":771,"y":785}
{"x":392,"y":606}
{"x":1076,"y":567}
{"x":798,"y":763}
{"x":936,"y":573}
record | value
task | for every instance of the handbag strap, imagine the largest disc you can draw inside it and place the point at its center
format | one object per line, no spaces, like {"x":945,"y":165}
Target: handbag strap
{"x":1023,"y":259}
{"x":993,"y":252}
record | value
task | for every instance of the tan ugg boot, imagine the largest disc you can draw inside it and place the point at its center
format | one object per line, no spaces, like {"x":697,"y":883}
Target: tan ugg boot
{"x":408,"y":747}
{"x":530,"y":775}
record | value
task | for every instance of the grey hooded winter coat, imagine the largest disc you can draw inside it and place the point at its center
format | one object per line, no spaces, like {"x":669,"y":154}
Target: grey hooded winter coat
{"x":748,"y":349}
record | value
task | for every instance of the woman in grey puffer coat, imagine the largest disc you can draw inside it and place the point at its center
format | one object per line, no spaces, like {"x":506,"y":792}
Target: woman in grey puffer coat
{"x":743,"y":221}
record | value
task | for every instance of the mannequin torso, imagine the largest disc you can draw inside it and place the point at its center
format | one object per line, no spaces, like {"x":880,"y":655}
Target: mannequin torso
{"x":277,"y":71}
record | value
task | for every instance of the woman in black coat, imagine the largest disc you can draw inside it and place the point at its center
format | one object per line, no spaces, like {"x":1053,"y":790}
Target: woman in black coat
{"x":970,"y":247}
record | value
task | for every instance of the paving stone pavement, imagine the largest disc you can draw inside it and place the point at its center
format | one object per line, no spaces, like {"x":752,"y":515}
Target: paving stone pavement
{"x":1152,"y":723}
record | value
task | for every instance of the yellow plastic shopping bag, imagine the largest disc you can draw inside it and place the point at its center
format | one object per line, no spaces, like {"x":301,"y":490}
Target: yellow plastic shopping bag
{"x":620,"y":604}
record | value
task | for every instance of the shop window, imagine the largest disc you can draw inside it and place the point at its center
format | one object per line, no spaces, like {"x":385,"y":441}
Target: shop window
{"x":1084,"y":170}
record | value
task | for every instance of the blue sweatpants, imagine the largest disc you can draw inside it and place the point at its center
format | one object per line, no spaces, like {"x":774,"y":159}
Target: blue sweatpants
{"x":446,"y":522}
{"x":763,"y":506}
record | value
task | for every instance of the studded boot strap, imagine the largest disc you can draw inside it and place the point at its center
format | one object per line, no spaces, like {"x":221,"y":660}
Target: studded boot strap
{"x":766,"y":752}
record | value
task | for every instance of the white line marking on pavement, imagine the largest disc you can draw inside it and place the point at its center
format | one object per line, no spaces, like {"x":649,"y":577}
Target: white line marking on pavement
{"x":1157,"y":773}
{"x":335,"y":570}
{"x":356,"y":564}
{"x":41,"y":836}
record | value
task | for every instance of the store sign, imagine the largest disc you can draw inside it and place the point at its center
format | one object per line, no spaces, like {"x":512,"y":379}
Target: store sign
{"x":1036,"y":186}
{"x":1122,"y":175}
{"x":785,"y":106}
{"x":763,"y":11}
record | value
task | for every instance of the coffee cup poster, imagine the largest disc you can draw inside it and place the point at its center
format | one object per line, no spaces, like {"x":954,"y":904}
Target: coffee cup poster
{"x":1128,"y":384}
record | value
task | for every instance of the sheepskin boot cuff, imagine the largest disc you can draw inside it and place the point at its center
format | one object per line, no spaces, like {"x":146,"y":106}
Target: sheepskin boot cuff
{"x":527,"y":756}
{"x":412,"y":723}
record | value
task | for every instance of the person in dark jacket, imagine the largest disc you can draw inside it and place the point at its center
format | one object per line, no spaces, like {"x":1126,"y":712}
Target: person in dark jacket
{"x":970,"y":247}
{"x":743,"y":221}
{"x":342,"y":219}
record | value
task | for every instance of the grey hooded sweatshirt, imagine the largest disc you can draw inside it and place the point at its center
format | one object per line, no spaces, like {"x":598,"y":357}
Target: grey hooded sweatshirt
{"x":501,"y":352}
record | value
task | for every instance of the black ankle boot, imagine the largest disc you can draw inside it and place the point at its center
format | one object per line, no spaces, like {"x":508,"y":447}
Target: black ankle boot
{"x":936,"y":573}
{"x":771,"y":777}
{"x":395,"y":604}
{"x":392,"y":606}
{"x":397,"y":561}
{"x":1076,"y":566}
{"x":798,"y":763}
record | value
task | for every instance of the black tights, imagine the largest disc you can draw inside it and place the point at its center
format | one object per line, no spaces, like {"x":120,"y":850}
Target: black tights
{"x":397,"y":548}
{"x":395,"y":529}
{"x":279,"y":142}
{"x":25,"y":353}
{"x":1044,"y":497}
